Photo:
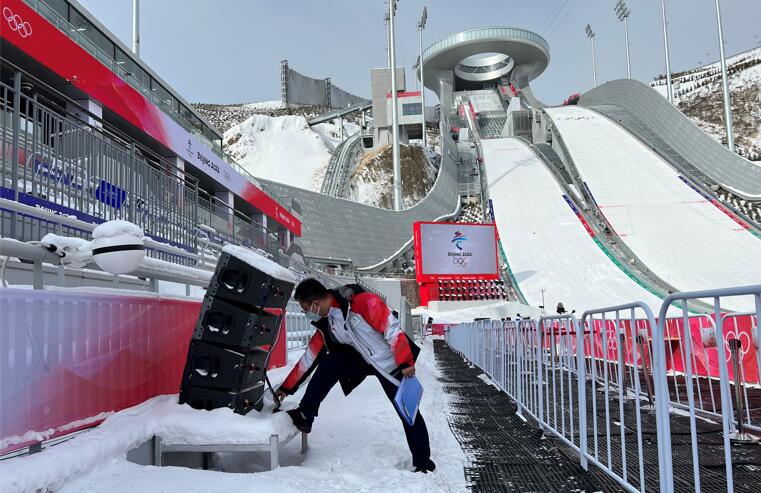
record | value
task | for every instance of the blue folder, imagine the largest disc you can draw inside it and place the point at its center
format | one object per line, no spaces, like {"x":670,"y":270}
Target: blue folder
{"x":408,"y":397}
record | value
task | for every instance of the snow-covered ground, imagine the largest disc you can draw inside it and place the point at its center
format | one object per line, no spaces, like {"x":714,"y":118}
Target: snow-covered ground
{"x":545,"y":243}
{"x":357,"y":444}
{"x":284,"y":148}
{"x":679,"y":235}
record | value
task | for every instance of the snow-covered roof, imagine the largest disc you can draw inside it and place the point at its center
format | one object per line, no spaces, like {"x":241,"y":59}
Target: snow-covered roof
{"x":260,"y":263}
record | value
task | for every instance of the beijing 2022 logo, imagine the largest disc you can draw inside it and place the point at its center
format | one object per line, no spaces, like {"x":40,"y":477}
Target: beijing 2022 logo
{"x":461,"y":258}
{"x":459,"y":239}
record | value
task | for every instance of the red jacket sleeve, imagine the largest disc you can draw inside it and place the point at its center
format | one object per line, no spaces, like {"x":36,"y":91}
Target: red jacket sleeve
{"x":376,"y":313}
{"x":305,"y":364}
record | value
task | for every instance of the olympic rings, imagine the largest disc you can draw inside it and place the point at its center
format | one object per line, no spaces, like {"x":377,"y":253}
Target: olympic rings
{"x":16,"y":23}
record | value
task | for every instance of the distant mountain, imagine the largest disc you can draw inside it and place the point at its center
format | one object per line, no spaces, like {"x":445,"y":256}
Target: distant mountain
{"x":698,"y":94}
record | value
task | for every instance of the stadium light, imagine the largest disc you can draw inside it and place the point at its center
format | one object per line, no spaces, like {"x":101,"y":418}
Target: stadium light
{"x":725,"y":84}
{"x":394,"y":112}
{"x":421,"y":26}
{"x":388,"y":39}
{"x":591,"y":35}
{"x":136,"y":27}
{"x":623,"y":13}
{"x":666,"y":49}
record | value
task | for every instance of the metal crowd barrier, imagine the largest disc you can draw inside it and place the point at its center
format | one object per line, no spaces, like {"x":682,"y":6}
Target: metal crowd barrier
{"x":298,"y":329}
{"x":620,"y":374}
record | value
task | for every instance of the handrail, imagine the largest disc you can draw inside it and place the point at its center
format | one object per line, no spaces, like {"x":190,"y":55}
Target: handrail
{"x":486,"y":32}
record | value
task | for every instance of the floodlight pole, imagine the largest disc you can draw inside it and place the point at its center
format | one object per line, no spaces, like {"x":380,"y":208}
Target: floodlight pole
{"x":623,"y":13}
{"x":388,"y":40}
{"x":666,"y":48}
{"x":591,"y":35}
{"x":136,"y":27}
{"x":421,"y":27}
{"x":394,"y":112}
{"x":725,"y":84}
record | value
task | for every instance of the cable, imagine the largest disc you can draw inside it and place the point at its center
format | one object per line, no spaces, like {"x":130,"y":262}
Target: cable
{"x":547,"y":24}
{"x":560,"y":22}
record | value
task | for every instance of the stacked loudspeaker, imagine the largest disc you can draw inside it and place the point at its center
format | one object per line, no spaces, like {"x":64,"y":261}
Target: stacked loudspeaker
{"x":236,"y":331}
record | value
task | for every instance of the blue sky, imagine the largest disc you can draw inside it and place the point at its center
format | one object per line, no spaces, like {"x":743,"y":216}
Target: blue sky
{"x":229,"y":51}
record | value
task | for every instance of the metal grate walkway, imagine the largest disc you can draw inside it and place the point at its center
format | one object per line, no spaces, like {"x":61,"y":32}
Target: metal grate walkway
{"x":504,"y":452}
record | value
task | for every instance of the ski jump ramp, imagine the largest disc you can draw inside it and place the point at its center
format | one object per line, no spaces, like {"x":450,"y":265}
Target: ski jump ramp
{"x":677,"y":232}
{"x":547,"y":245}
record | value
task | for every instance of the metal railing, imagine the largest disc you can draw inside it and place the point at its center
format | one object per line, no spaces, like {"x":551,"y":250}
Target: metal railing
{"x":151,"y":95}
{"x":53,"y":162}
{"x":486,"y":33}
{"x":298,"y":329}
{"x":606,"y":384}
{"x":342,"y":163}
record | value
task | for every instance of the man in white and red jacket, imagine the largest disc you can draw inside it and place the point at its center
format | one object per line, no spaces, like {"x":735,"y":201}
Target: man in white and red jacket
{"x":357,"y":336}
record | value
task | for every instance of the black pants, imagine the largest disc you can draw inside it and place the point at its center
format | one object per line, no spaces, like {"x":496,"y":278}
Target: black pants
{"x":346,"y":363}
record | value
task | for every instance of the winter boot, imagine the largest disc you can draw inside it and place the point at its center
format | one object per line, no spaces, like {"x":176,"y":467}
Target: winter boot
{"x":300,"y":421}
{"x":425,"y":466}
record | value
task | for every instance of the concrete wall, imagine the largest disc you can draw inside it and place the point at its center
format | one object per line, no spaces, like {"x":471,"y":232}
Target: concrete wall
{"x":380,"y":81}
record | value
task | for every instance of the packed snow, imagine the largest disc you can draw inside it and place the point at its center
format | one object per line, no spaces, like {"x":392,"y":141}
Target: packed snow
{"x":357,"y":444}
{"x":548,"y":248}
{"x":260,"y":262}
{"x":682,"y":237}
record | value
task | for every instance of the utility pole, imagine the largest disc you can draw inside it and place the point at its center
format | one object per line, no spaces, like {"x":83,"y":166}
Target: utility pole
{"x":666,"y":47}
{"x":421,"y":27}
{"x":394,"y":113}
{"x":623,"y":13}
{"x":725,"y":84}
{"x":136,"y":27}
{"x":591,"y":35}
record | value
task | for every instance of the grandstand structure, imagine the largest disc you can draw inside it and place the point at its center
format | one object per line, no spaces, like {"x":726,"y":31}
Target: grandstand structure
{"x":95,"y":134}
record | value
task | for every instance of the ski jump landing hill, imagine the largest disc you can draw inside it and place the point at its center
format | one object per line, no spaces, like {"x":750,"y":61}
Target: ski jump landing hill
{"x":679,"y":233}
{"x":645,"y":189}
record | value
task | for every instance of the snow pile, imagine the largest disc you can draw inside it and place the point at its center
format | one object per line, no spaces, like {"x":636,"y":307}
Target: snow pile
{"x":698,"y":94}
{"x":330,"y":132}
{"x":284,"y":148}
{"x":74,"y":252}
{"x":117,"y":227}
{"x":161,"y":416}
{"x":260,"y":263}
{"x":357,"y":444}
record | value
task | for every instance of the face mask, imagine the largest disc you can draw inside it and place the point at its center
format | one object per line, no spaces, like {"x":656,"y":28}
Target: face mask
{"x":313,"y":316}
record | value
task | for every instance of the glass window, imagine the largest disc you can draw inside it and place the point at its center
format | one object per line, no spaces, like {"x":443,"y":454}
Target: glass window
{"x":412,"y":109}
{"x":130,"y":68}
{"x":209,"y":133}
{"x":85,"y":28}
{"x":163,"y":95}
{"x":60,"y":6}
